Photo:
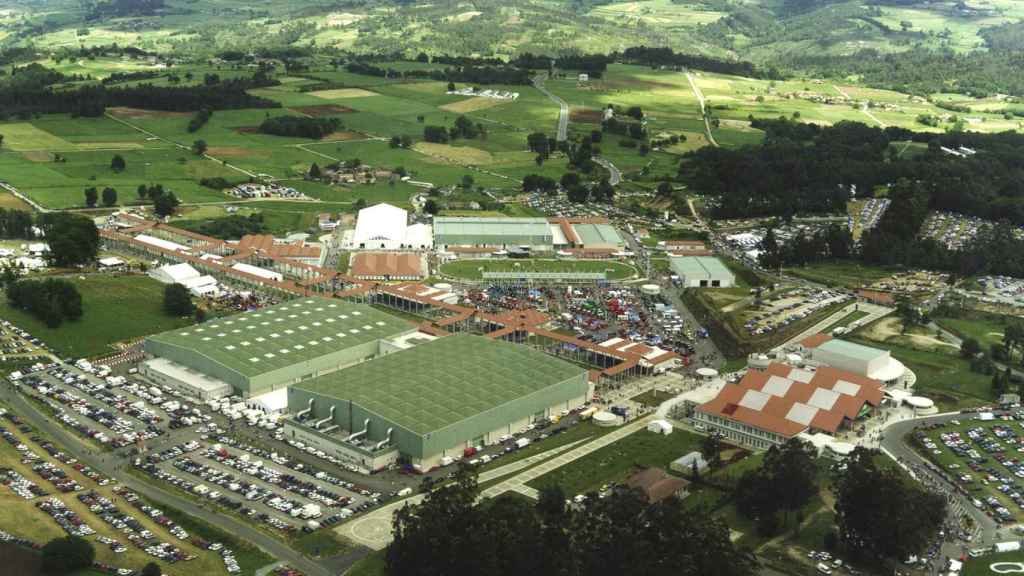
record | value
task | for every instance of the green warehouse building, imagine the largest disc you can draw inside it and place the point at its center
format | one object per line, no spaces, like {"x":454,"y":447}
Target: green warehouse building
{"x":268,"y":349}
{"x":492,"y":232}
{"x":431,"y":401}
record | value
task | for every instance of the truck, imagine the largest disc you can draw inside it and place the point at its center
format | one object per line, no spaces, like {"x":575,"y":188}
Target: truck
{"x":589,"y":412}
{"x":522,"y":443}
{"x":1006,"y":546}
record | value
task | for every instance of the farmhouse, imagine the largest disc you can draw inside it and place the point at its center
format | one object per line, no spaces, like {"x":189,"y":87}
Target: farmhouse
{"x":255,"y":352}
{"x":702,"y":272}
{"x":433,"y":400}
{"x":769,"y":407}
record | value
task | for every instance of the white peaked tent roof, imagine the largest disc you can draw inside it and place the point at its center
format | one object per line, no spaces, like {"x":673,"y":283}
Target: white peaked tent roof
{"x":381,"y":223}
{"x":175,"y":273}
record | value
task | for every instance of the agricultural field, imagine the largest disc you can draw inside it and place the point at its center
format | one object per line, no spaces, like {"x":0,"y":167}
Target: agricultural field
{"x":473,"y":269}
{"x":105,"y":300}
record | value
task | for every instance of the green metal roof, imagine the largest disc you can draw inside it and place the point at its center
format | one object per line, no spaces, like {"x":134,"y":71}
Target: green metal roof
{"x":472,"y":226}
{"x":591,"y":234}
{"x":445,"y":381}
{"x":699,"y":266}
{"x":851,"y":349}
{"x":253,"y":343}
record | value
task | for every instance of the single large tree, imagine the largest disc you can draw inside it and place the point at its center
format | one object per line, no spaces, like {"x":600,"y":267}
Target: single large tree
{"x":165,"y":204}
{"x":199,"y":147}
{"x":117,"y":163}
{"x":881,"y":514}
{"x":66,"y":555}
{"x":109,"y":196}
{"x":177,"y":300}
{"x":73,"y":240}
{"x":91,"y":195}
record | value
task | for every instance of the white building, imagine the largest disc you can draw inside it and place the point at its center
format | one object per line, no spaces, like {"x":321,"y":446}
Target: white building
{"x":702,"y":272}
{"x":386,"y":227}
{"x":257,"y":271}
{"x":874,"y":363}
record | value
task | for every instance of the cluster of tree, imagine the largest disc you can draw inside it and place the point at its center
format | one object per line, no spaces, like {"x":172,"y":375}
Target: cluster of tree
{"x":216,"y":183}
{"x":199,"y":119}
{"x":462,"y":128}
{"x":467,"y":74}
{"x":73,"y":240}
{"x":832,"y":243}
{"x":403,"y":141}
{"x":658,"y":56}
{"x":230,"y":227}
{"x":449,"y":533}
{"x":880,"y":513}
{"x":92,"y":100}
{"x":16,"y":224}
{"x":124,"y":8}
{"x":300,"y":126}
{"x":67,"y":555}
{"x":541,"y":143}
{"x":177,"y":300}
{"x":624,"y":127}
{"x":52,"y":300}
{"x":785,"y":482}
{"x":164,"y":201}
{"x":580,"y":192}
{"x":538,"y":183}
{"x":92,"y":195}
{"x":119,"y":77}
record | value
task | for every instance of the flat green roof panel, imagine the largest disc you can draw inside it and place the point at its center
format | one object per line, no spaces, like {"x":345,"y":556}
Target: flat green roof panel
{"x":257,"y":342}
{"x":445,"y":381}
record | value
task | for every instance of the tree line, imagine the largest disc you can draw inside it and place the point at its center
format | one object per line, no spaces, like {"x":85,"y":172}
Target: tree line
{"x":448,"y":533}
{"x":91,"y":101}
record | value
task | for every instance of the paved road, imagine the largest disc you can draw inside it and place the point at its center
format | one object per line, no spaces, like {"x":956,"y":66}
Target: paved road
{"x":110,"y":465}
{"x":703,"y":112}
{"x":614,"y":175}
{"x":563,"y":112}
{"x":874,"y":313}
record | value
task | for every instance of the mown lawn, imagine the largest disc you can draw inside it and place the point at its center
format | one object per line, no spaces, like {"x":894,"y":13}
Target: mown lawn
{"x":117,"y":308}
{"x":617,"y":461}
{"x":846,"y":274}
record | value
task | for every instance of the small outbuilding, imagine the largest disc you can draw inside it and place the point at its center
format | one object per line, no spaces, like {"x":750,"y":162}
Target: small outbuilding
{"x":660,"y":427}
{"x":657,"y":485}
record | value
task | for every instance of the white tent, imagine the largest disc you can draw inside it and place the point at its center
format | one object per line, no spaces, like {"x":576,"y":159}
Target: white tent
{"x":174,"y":274}
{"x":161,"y":243}
{"x":111,"y":262}
{"x":381,"y":226}
{"x":257,"y":271}
{"x":419,"y":236}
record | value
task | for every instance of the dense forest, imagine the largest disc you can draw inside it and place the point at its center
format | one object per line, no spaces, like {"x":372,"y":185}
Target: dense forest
{"x":816,"y":169}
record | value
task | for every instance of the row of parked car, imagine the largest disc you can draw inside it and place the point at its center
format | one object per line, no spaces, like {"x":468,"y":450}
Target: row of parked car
{"x":133,"y":529}
{"x":258,"y":469}
{"x":65,"y":517}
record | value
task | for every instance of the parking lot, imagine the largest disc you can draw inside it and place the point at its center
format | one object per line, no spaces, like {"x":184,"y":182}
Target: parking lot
{"x":984,"y":459}
{"x":782,"y":309}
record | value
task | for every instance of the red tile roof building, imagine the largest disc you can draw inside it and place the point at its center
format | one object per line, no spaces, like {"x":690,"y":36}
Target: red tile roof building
{"x":771,"y":406}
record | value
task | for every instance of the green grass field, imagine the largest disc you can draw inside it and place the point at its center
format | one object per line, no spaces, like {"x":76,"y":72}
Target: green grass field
{"x":617,"y":461}
{"x":474,"y":269}
{"x":987,"y":329}
{"x":117,"y":308}
{"x":845,"y":274}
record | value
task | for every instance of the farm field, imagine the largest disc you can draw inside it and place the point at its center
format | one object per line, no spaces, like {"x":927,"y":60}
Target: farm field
{"x":474,"y":269}
{"x":105,"y":301}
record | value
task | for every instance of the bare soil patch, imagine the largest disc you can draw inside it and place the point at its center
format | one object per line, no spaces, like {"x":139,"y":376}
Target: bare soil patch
{"x":247,"y":130}
{"x":236,"y":152}
{"x":125,"y":112}
{"x":586,"y":115}
{"x":323,"y":110}
{"x":38,"y":156}
{"x":473,"y":104}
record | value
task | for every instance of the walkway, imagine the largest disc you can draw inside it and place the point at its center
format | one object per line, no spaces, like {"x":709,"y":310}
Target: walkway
{"x":518,"y":483}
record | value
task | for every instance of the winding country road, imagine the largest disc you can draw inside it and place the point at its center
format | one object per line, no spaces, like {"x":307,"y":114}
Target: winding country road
{"x":614,"y":175}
